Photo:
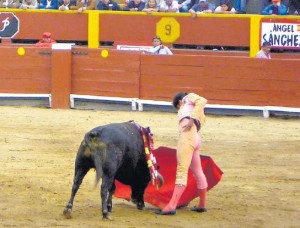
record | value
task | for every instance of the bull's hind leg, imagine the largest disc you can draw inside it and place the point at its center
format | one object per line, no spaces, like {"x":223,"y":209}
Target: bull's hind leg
{"x":107,"y":183}
{"x":110,"y":195}
{"x":79,"y":175}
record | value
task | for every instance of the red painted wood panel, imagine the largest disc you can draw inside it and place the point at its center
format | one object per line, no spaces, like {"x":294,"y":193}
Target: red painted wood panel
{"x":226,"y":80}
{"x":62,"y":25}
{"x":116,"y":75}
{"x":229,"y":31}
{"x":28,"y":73}
{"x":223,"y":80}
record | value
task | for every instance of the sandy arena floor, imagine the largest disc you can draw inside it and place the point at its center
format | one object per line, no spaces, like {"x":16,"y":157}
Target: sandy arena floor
{"x":260,"y":159}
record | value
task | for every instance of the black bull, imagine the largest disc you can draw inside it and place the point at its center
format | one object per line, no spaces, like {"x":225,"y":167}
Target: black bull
{"x":116,"y":151}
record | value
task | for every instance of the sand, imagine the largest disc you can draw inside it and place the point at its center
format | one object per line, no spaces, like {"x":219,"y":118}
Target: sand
{"x":260,"y":159}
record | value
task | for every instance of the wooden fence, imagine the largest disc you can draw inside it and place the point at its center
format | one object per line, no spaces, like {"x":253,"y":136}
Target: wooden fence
{"x":226,"y":80}
{"x":139,"y":27}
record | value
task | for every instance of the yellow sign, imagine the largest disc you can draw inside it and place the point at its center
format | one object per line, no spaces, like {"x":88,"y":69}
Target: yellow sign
{"x":168,"y":29}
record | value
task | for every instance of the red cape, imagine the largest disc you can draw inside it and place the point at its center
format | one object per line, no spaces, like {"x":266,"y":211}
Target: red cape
{"x":166,"y":160}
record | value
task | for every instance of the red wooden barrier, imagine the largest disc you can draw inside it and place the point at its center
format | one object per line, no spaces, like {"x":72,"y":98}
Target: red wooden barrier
{"x":228,"y":80}
{"x":27,"y":73}
{"x":223,"y":80}
{"x":115,"y":75}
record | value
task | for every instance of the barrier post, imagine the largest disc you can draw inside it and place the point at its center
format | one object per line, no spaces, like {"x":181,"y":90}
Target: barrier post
{"x":61,"y":75}
{"x":254,"y":34}
{"x":93,"y":29}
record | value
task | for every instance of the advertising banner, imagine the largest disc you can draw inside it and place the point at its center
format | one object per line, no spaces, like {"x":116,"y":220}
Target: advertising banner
{"x":283,"y":34}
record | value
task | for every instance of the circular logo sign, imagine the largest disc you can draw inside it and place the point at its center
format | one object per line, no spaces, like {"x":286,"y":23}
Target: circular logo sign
{"x":168,"y":29}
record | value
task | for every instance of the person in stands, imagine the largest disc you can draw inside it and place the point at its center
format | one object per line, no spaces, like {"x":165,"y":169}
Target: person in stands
{"x":134,"y":5}
{"x":158,"y":48}
{"x":48,"y":4}
{"x":240,"y":6}
{"x":108,"y":5}
{"x":294,"y":7}
{"x":202,"y":7}
{"x":265,"y":3}
{"x":169,"y":6}
{"x":264,"y":52}
{"x":66,"y":4}
{"x":191,"y":119}
{"x":29,"y":4}
{"x":276,"y":8}
{"x":46,"y":40}
{"x":82,"y":5}
{"x":224,"y":8}
{"x":151,"y":6}
{"x":12,"y":4}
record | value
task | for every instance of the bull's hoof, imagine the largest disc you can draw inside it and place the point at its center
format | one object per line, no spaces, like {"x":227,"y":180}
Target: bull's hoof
{"x":109,"y":207}
{"x":106,"y":216}
{"x":140,"y":206}
{"x":67,"y":213}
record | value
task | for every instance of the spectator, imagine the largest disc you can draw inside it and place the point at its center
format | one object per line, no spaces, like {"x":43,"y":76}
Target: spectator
{"x":151,"y":6}
{"x":202,"y":7}
{"x":66,"y":4}
{"x":29,"y":4}
{"x":184,"y":5}
{"x":264,"y":52}
{"x":159,"y":48}
{"x":294,"y":7}
{"x":82,"y":5}
{"x":135,"y":5}
{"x":240,"y":6}
{"x":108,"y":5}
{"x":46,"y":41}
{"x":276,"y":8}
{"x":224,"y":8}
{"x":265,"y":3}
{"x":13,"y":4}
{"x":48,"y":4}
{"x":169,"y":6}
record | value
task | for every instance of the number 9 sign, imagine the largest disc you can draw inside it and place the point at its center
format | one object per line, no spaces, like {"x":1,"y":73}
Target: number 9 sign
{"x":168,"y":29}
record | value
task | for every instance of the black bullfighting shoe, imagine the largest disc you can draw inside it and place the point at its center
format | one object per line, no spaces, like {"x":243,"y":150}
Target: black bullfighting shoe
{"x":160,"y":212}
{"x":200,"y":210}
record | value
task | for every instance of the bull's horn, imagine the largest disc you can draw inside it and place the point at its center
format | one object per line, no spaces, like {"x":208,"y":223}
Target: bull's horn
{"x":161,"y":180}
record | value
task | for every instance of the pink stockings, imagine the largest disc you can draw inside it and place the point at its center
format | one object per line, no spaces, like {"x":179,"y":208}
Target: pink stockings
{"x":197,"y":171}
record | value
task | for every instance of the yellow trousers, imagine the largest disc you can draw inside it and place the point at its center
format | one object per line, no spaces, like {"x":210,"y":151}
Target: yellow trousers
{"x":188,"y":156}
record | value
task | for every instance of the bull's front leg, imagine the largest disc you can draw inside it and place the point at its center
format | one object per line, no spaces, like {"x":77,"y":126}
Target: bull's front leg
{"x":107,"y":184}
{"x":137,"y":196}
{"x":79,"y":175}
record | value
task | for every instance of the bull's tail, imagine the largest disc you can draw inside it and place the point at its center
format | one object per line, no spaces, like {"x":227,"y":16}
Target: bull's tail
{"x":99,"y":170}
{"x":98,"y":153}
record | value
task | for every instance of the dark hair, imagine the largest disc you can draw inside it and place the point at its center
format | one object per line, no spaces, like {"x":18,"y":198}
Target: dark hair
{"x":266,"y":43}
{"x":156,"y":37}
{"x":177,"y":98}
{"x":148,"y":6}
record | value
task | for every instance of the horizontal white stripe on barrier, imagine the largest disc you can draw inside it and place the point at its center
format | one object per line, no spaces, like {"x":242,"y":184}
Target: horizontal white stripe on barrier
{"x":140,"y":103}
{"x":264,"y":109}
{"x":241,"y":107}
{"x":24,"y":96}
{"x":102,"y":98}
